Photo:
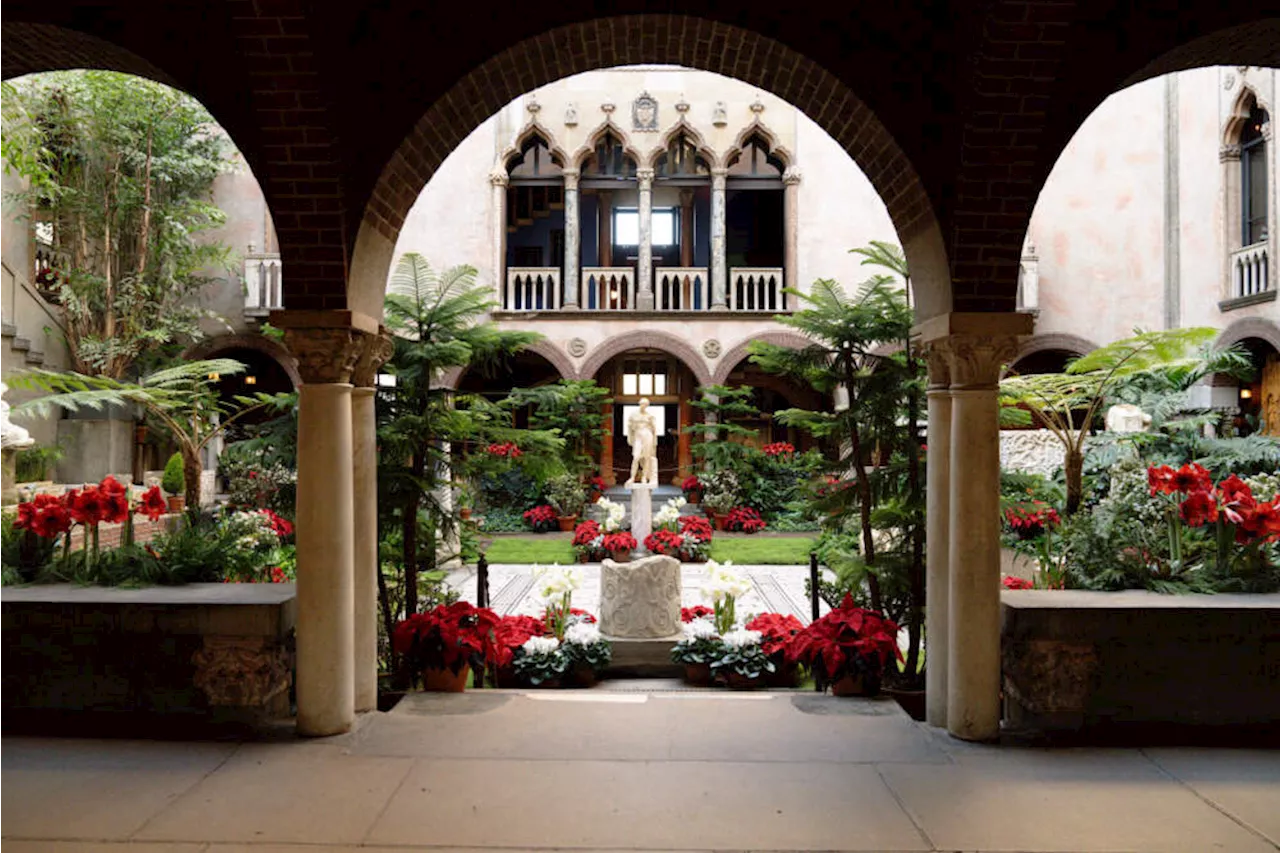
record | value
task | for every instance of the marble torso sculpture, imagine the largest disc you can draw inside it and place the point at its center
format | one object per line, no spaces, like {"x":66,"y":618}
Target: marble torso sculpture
{"x":642,"y":435}
{"x":1125,"y":417}
{"x":12,"y":436}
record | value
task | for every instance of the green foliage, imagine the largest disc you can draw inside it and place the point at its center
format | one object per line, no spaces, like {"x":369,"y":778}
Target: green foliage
{"x":174,"y":478}
{"x":123,"y":169}
{"x":271,"y":442}
{"x":35,"y":464}
{"x":502,"y":520}
{"x":566,"y":494}
{"x":24,"y":555}
{"x":723,"y":445}
{"x":721,"y":490}
{"x":772,"y":483}
{"x":541,"y":668}
{"x":746,"y":661}
{"x":572,"y":409}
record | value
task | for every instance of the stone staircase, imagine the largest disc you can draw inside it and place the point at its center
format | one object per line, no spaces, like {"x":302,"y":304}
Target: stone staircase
{"x":661,"y":494}
{"x":32,"y":357}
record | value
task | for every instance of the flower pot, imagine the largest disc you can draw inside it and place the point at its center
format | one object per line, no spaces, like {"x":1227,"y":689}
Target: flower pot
{"x":583,"y":676}
{"x":911,"y":701}
{"x":697,"y":673}
{"x":621,"y":556}
{"x":582,"y":558}
{"x":595,"y":496}
{"x":735,"y":681}
{"x":177,"y":503}
{"x":692,"y":497}
{"x":465,"y":513}
{"x":784,"y":675}
{"x":852,"y":685}
{"x":721,"y":519}
{"x":444,"y":680}
{"x":506,"y":677}
{"x":567,"y":522}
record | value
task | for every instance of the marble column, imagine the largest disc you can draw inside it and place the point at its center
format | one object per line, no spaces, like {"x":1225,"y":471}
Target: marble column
{"x":499,"y":179}
{"x":791,"y":229}
{"x":572,"y":233}
{"x":325,"y":526}
{"x":644,"y":266}
{"x":937,"y":525}
{"x":375,"y":352}
{"x":719,"y":275}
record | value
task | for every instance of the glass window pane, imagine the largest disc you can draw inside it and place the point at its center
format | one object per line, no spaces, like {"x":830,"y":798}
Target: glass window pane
{"x":1257,"y":177}
{"x":629,"y":383}
{"x":660,"y":384}
{"x":626,"y":228}
{"x":664,"y":227}
{"x":646,"y":383}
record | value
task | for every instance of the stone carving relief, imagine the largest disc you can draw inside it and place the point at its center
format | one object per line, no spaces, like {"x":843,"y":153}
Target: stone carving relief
{"x":608,"y":106}
{"x":644,"y":113}
{"x":719,"y":114}
{"x":577,"y":347}
{"x":976,"y":359}
{"x":571,"y":115}
{"x":682,"y":106}
{"x":375,"y":351}
{"x":241,"y":671}
{"x":711,"y":348}
{"x":641,"y":599}
{"x":1035,"y":451}
{"x":757,"y":106}
{"x":325,"y":355}
{"x":532,"y":105}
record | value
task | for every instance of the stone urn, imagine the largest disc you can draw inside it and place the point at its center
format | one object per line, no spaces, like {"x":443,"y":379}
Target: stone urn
{"x":640,"y":599}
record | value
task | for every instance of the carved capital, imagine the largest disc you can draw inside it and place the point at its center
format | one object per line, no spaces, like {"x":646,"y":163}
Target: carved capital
{"x":975,"y":360}
{"x":718,"y":175}
{"x":571,"y":175}
{"x":241,"y":671}
{"x":375,"y":351}
{"x":644,"y":176}
{"x":938,"y":358}
{"x":499,"y":177}
{"x":1228,"y":153}
{"x":791,"y":176}
{"x":325,"y":355}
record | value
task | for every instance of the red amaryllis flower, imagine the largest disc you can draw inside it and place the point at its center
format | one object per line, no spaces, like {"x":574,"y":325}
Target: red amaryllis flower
{"x":115,"y":506}
{"x":1192,"y":478}
{"x":152,"y":504}
{"x":1011,"y":582}
{"x":44,"y":515}
{"x":1199,"y":509}
{"x":111,"y":486}
{"x":87,"y":507}
{"x":1160,"y":480}
{"x":1263,"y":522}
{"x":698,"y":611}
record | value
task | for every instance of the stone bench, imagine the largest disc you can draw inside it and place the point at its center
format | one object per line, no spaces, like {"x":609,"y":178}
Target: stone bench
{"x":191,"y":649}
{"x":1075,"y":660}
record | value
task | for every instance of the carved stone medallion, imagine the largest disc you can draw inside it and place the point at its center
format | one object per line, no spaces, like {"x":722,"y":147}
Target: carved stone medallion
{"x":711,"y":348}
{"x":644,"y":112}
{"x":577,"y":347}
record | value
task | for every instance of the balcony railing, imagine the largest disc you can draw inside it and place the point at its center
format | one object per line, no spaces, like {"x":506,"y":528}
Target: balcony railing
{"x":1250,"y":271}
{"x":756,"y":289}
{"x":683,"y":289}
{"x":608,"y":289}
{"x":532,"y":289}
{"x":263,"y":284}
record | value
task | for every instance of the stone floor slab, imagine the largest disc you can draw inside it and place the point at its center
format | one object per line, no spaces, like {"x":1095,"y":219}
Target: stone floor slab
{"x":12,"y":845}
{"x":1245,"y":783}
{"x":300,"y":793}
{"x":1064,"y":802}
{"x":73,"y":789}
{"x":660,"y":805}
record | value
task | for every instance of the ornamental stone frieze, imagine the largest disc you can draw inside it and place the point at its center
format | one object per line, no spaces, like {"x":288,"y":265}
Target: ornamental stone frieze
{"x":325,"y":355}
{"x":242,"y":671}
{"x":375,"y":351}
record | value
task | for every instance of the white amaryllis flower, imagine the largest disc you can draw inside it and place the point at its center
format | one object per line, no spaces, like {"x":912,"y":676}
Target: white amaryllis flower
{"x":582,"y":634}
{"x":540,"y":645}
{"x":722,"y":582}
{"x":557,"y":582}
{"x":670,"y":512}
{"x":741,"y":638}
{"x":613,"y":514}
{"x":699,"y":629}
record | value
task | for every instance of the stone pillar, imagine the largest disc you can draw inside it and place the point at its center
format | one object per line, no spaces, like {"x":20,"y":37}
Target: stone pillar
{"x":938,"y":522}
{"x":498,"y":179}
{"x":684,"y":445}
{"x":606,"y":447}
{"x":373,"y":355}
{"x":644,"y":266}
{"x":719,"y":275}
{"x":325,"y":516}
{"x":641,"y":513}
{"x":791,"y":247}
{"x":572,"y":232}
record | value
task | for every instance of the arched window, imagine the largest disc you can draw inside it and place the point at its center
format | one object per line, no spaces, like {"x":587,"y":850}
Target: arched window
{"x":755,"y":160}
{"x":535,"y":161}
{"x":682,"y":160}
{"x":1253,"y":178}
{"x":609,"y":160}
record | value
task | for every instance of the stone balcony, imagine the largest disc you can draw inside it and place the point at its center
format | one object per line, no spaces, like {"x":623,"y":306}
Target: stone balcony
{"x":616,"y":291}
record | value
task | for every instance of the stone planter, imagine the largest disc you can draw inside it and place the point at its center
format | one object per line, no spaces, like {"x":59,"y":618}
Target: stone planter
{"x":445,"y":680}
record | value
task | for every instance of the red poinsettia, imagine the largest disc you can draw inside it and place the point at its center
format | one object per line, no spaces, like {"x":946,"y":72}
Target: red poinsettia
{"x":620,"y":541}
{"x":691,"y":484}
{"x":511,"y":633}
{"x":695,"y":527}
{"x":540,"y":518}
{"x":779,"y":448}
{"x":585,"y":532}
{"x":152,"y":503}
{"x":447,"y":636}
{"x":850,"y":640}
{"x":745,"y":519}
{"x":280,"y":526}
{"x":597,"y":483}
{"x":666,"y":542}
{"x":1011,"y":582}
{"x":777,"y":631}
{"x":697,"y":611}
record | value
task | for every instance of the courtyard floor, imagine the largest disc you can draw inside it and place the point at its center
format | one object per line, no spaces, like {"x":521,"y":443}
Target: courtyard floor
{"x":613,"y":770}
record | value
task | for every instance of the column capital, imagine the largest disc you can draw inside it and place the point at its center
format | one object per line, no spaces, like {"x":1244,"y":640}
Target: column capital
{"x":644,"y":176}
{"x":326,"y":355}
{"x":499,"y":177}
{"x":973,"y":361}
{"x":718,"y":175}
{"x":791,"y":176}
{"x":375,"y":351}
{"x":571,"y":176}
{"x":938,"y":358}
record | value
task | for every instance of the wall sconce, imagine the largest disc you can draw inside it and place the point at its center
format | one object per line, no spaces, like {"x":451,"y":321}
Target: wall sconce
{"x":1246,"y":393}
{"x":251,"y":380}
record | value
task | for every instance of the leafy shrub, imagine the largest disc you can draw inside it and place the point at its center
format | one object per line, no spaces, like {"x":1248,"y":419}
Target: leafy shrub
{"x":566,"y":494}
{"x":503,"y":520}
{"x":173,"y":481}
{"x":36,"y":463}
{"x":512,"y":487}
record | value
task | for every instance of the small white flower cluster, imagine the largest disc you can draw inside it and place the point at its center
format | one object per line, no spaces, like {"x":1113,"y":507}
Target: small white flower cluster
{"x":540,"y":645}
{"x":557,"y":582}
{"x":257,"y":530}
{"x":582,"y":634}
{"x":669,"y":515}
{"x":723,"y":582}
{"x":699,"y":629}
{"x":613,"y":514}
{"x":741,"y":638}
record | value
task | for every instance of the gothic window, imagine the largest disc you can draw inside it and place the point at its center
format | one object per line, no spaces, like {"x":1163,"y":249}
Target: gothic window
{"x":755,"y":160}
{"x":535,"y":162}
{"x":681,"y":160}
{"x":609,"y":160}
{"x":1253,"y":178}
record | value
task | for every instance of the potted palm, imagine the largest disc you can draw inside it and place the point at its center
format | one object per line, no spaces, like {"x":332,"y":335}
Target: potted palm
{"x":849,"y":648}
{"x":445,"y":642}
{"x":567,"y":497}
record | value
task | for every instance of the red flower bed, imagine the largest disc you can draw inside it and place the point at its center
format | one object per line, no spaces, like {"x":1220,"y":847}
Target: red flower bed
{"x":541,"y":518}
{"x":848,"y":640}
{"x":664,"y":542}
{"x":695,"y":527}
{"x":448,"y":636}
{"x":745,"y":519}
{"x":506,"y":449}
{"x":778,"y":631}
{"x":779,"y":448}
{"x":1011,"y":582}
{"x":585,"y":532}
{"x":697,"y":611}
{"x":1031,"y":520}
{"x":1230,"y":502}
{"x":620,"y":541}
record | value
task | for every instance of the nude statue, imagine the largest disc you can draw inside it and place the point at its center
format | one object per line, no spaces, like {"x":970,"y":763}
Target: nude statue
{"x":642,"y":435}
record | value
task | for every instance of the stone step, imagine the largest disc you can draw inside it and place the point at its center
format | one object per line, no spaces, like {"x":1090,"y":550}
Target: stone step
{"x":8,"y":330}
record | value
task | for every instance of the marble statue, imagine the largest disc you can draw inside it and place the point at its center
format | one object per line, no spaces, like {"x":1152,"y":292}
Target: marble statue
{"x":1125,"y":417}
{"x":640,"y":599}
{"x":11,"y":435}
{"x":642,"y":435}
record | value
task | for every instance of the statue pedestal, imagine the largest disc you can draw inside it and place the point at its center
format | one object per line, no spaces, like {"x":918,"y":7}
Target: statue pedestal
{"x":640,"y":600}
{"x":641,"y":513}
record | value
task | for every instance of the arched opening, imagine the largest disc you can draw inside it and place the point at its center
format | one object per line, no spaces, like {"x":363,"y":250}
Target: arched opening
{"x":755,"y":226}
{"x":1257,"y":409}
{"x":772,"y":394}
{"x":526,"y":369}
{"x":535,"y":218}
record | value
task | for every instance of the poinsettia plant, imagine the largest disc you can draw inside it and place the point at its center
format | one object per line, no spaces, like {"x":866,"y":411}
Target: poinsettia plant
{"x":691,"y":486}
{"x":695,"y":533}
{"x":745,"y":519}
{"x":665,"y":542}
{"x":697,"y":611}
{"x":541,"y":518}
{"x":510,"y":634}
{"x":449,"y":636}
{"x":620,"y":541}
{"x":1012,"y":582}
{"x":776,"y":631}
{"x":848,"y":641}
{"x":588,"y":541}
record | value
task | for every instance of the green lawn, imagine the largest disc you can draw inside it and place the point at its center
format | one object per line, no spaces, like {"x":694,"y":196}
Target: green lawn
{"x":761,"y":550}
{"x":530,"y":549}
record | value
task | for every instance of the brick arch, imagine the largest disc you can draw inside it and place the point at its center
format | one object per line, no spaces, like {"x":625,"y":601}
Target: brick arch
{"x":1054,"y":341}
{"x":30,"y":48}
{"x":731,"y":359}
{"x":692,"y":42}
{"x":646,"y":339}
{"x":554,"y":355}
{"x":1250,"y":327}
{"x":276,"y":351}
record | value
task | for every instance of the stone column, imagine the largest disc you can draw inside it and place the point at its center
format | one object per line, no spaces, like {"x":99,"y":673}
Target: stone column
{"x":791,"y":248}
{"x":606,"y":446}
{"x":325,"y":512}
{"x":719,"y":275}
{"x":644,"y":266}
{"x":684,"y":444}
{"x":938,"y":522}
{"x":572,"y":233}
{"x":373,"y":355}
{"x":498,"y":179}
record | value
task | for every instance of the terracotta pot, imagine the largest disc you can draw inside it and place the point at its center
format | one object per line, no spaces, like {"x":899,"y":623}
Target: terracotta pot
{"x":465,"y":513}
{"x":911,"y":701}
{"x":595,"y":496}
{"x":444,"y":680}
{"x":734,"y":681}
{"x":583,"y":676}
{"x":582,"y":558}
{"x":177,"y":503}
{"x":697,"y":673}
{"x":506,"y":677}
{"x":722,"y":519}
{"x":853,"y":685}
{"x":692,"y":497}
{"x":567,"y":522}
{"x":621,"y":556}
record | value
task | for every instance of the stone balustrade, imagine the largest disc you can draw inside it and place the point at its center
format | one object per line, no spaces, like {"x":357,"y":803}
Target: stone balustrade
{"x":532,"y":289}
{"x":1250,"y":271}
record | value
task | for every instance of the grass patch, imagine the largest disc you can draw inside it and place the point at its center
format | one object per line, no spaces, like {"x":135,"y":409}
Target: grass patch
{"x":530,"y":549}
{"x":763,"y":551}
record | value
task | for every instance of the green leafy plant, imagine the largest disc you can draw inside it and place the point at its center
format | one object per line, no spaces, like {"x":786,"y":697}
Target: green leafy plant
{"x":567,"y":494}
{"x":721,"y":444}
{"x":174,"y":478}
{"x":572,"y":409}
{"x":36,"y":463}
{"x":721,"y":490}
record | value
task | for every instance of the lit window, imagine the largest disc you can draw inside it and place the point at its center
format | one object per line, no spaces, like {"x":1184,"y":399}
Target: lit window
{"x":629,"y":381}
{"x":626,"y":228}
{"x":664,"y":227}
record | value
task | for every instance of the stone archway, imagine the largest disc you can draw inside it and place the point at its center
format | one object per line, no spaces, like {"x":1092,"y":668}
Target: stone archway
{"x":647,"y":339}
{"x":274,"y":350}
{"x":730,"y":359}
{"x":1249,"y":327}
{"x":554,"y":356}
